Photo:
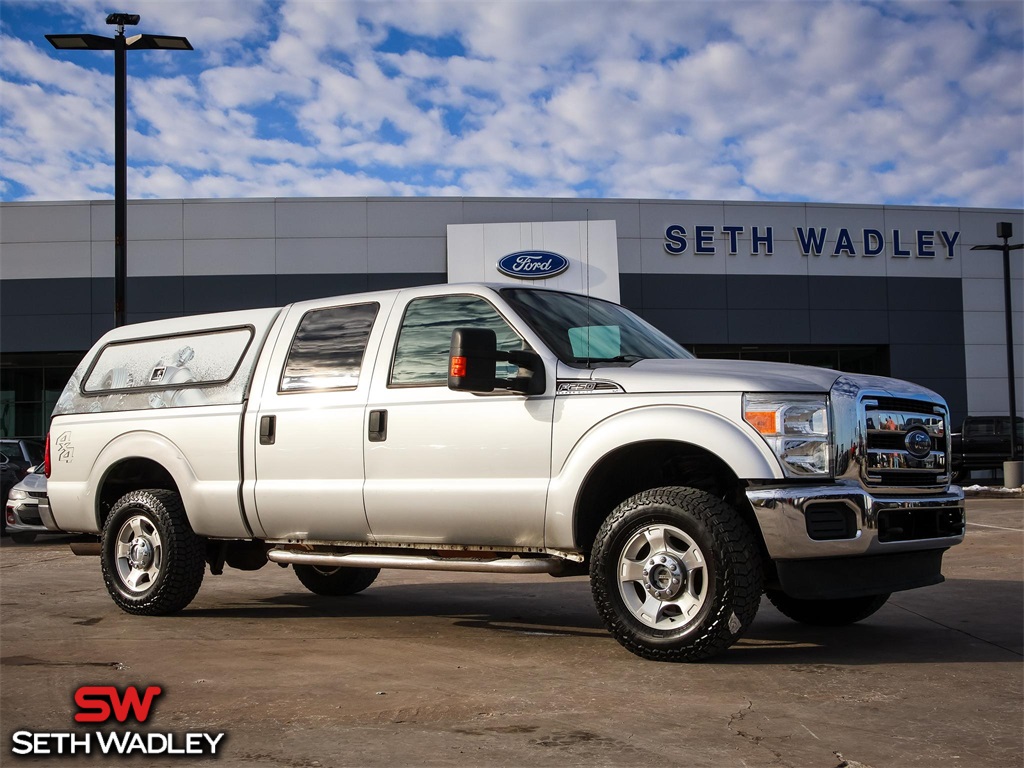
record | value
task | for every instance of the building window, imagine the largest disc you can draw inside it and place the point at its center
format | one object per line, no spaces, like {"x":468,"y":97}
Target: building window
{"x":30,"y":385}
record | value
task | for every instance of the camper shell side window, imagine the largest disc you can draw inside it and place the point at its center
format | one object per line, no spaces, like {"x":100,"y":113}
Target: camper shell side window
{"x":169,"y":371}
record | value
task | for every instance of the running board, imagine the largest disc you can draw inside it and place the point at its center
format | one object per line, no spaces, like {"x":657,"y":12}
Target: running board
{"x":418,"y":562}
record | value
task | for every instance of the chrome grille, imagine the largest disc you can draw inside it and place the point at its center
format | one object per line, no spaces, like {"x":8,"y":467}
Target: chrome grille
{"x":896,"y":453}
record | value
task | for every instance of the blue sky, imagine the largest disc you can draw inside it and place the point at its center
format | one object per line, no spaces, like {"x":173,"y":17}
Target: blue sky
{"x":917,"y":103}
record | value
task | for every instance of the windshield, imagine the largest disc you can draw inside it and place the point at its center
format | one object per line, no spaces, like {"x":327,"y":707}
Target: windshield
{"x":584,"y":331}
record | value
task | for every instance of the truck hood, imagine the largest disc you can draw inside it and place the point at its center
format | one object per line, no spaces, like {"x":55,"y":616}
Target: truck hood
{"x":718,"y":376}
{"x":749,"y":376}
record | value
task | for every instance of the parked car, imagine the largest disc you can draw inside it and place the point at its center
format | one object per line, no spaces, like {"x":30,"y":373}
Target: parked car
{"x":23,"y":453}
{"x":21,"y":515}
{"x":9,"y":477}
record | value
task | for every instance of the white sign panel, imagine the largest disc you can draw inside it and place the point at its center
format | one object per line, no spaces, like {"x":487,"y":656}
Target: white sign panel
{"x":577,"y":256}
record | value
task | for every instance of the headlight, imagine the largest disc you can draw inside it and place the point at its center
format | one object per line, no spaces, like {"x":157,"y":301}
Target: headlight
{"x":17,"y":494}
{"x":795,"y":428}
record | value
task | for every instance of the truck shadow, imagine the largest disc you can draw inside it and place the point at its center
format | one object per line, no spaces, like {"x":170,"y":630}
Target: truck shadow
{"x":561,"y":608}
{"x":961,"y":621}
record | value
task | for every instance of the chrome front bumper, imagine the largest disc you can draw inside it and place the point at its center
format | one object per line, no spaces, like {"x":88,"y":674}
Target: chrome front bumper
{"x":857,"y":523}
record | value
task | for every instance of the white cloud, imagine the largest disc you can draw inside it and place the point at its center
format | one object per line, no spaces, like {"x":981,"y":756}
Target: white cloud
{"x":831,"y":101}
{"x":232,"y":87}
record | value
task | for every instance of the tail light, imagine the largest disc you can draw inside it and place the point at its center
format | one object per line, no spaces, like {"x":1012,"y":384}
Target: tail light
{"x":46,"y":456}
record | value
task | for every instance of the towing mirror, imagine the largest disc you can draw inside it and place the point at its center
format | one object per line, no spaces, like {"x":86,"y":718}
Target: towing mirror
{"x":472,"y":357}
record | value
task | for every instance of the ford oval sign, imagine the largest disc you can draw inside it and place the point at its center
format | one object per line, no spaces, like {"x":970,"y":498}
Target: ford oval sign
{"x":533,"y":265}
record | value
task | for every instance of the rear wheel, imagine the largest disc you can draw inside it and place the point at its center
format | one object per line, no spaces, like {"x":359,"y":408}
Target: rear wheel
{"x":335,"y":582}
{"x":676,"y":574}
{"x":153,"y":563}
{"x":827,"y":613}
{"x":23,"y":538}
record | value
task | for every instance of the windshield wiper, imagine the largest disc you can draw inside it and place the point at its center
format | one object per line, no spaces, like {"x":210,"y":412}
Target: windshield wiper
{"x":618,"y":359}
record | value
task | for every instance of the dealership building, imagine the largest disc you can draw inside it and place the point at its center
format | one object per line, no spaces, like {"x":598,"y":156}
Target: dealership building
{"x":874,"y":289}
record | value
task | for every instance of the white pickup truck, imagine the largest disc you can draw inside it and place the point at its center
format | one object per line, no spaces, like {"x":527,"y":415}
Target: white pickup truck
{"x":502,"y":429}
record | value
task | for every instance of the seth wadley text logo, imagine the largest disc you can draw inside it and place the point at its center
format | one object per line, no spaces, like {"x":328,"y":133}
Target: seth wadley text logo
{"x":103,"y":704}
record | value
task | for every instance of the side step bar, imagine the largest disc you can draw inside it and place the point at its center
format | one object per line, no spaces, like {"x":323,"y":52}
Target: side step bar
{"x":418,"y":562}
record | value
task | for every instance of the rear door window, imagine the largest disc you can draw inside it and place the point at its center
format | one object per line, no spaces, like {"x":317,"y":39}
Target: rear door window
{"x":327,"y":351}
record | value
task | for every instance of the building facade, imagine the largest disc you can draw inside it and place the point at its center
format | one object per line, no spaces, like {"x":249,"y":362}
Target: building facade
{"x":873,"y":289}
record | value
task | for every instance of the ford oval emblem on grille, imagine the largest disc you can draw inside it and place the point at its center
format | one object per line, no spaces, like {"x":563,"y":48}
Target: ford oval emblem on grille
{"x":533,"y":265}
{"x":919,"y":443}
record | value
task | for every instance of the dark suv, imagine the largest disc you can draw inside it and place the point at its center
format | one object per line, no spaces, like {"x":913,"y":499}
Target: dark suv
{"x":23,"y":453}
{"x":984,"y":444}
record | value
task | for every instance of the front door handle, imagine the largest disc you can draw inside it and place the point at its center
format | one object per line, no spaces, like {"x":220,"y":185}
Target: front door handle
{"x":378,"y":431}
{"x":268,"y":430}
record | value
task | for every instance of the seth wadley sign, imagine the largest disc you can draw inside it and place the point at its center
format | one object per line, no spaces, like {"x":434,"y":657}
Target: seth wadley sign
{"x":815,"y":241}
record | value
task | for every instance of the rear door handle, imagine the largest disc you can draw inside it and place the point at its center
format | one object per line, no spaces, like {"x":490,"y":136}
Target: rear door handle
{"x":268,"y":430}
{"x":378,"y":431}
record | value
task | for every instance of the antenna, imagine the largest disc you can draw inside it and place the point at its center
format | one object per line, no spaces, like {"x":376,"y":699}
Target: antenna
{"x":586,"y":261}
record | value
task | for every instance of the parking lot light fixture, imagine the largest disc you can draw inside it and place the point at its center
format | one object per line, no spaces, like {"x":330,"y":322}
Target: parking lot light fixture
{"x":120,"y":45}
{"x":1004,"y":230}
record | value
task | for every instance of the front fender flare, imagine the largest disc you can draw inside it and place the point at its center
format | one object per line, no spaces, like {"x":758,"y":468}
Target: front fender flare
{"x":738,"y":446}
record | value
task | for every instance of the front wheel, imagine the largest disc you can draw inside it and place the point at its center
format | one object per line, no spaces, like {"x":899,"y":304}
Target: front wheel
{"x":676,"y":574}
{"x":23,"y":538}
{"x":827,"y":613}
{"x":335,"y":582}
{"x":153,"y":563}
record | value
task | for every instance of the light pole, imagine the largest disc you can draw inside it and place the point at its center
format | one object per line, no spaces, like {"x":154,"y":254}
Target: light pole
{"x":1012,"y":469}
{"x":120,"y":45}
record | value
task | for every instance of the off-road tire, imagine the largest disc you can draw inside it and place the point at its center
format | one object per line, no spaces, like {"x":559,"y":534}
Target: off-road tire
{"x":709,"y":542}
{"x":335,"y":582}
{"x":826,"y":613}
{"x":169,"y":558}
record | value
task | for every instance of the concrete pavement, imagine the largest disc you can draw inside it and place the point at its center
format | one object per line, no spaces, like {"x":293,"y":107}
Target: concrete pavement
{"x":462,"y":669}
